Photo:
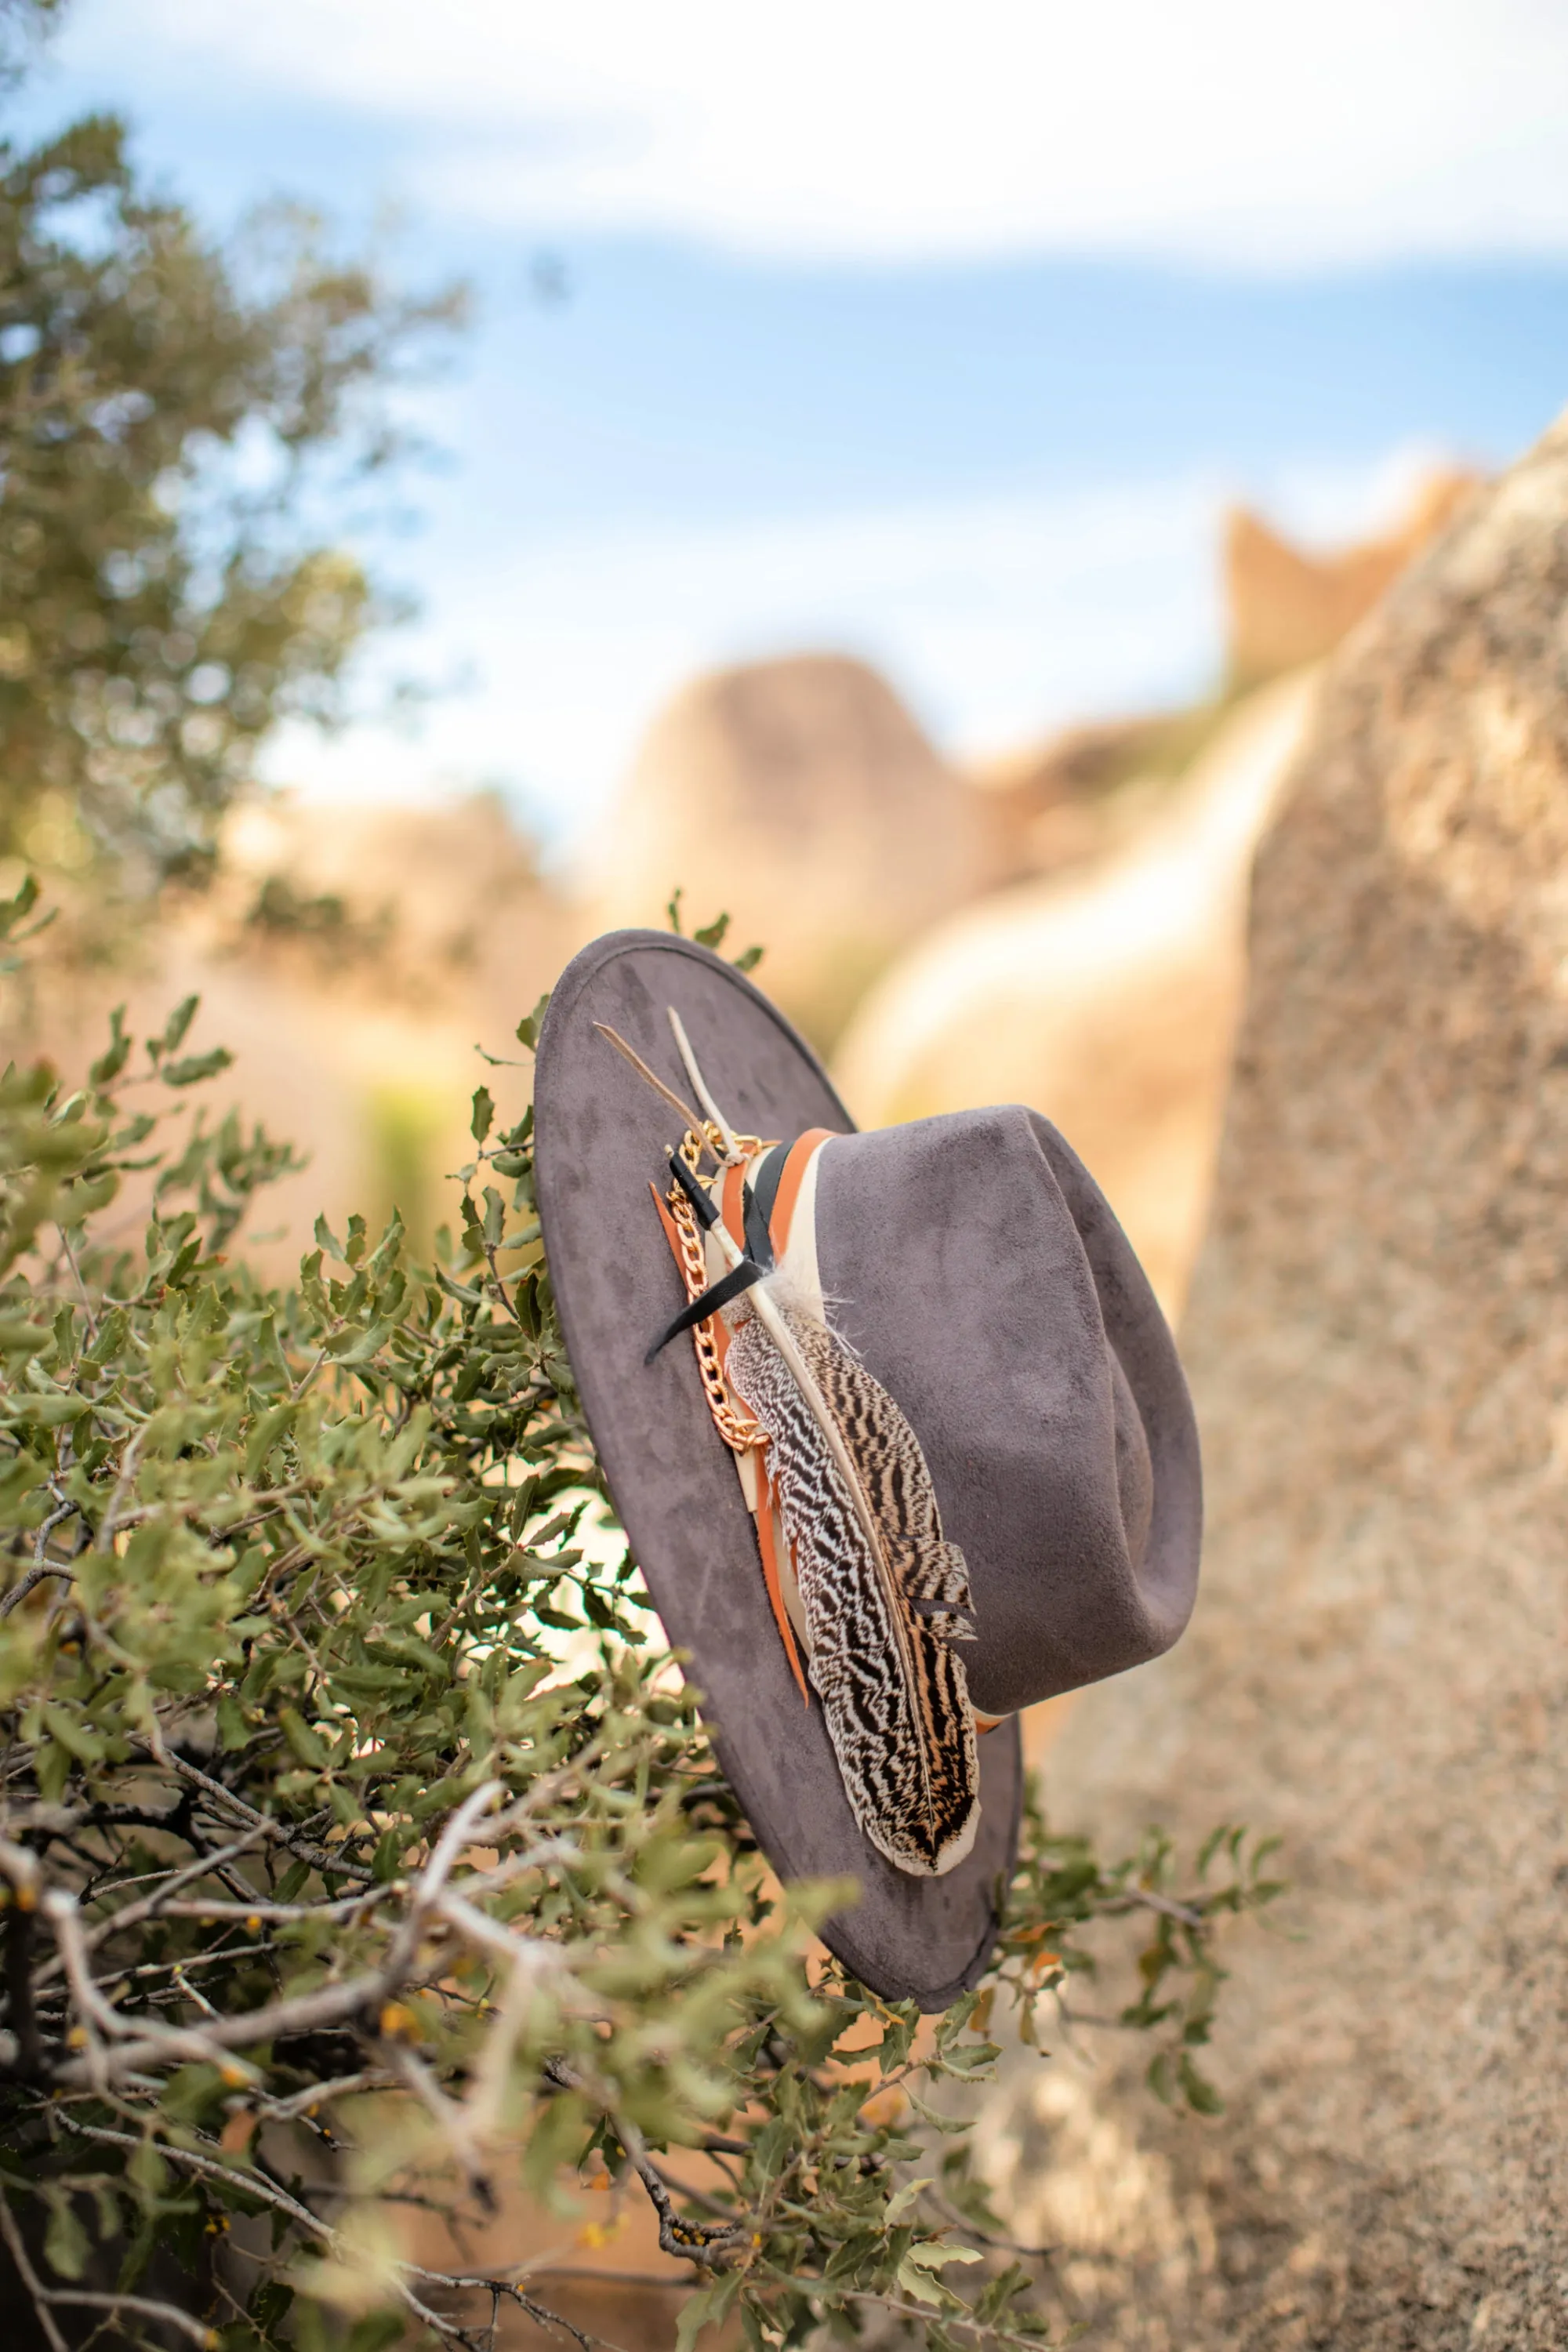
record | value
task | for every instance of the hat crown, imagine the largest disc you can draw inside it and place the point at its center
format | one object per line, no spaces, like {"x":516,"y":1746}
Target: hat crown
{"x":978,"y":1271}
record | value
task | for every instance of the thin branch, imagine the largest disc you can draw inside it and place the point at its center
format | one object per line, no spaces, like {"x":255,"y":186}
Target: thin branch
{"x":319,"y":1857}
{"x":41,"y":1566}
{"x":76,"y":1270}
{"x":151,"y":1906}
{"x":84,"y":2298}
{"x":251,"y":2177}
{"x":29,"y":2277}
{"x":433,"y":1878}
{"x":677,"y":2282}
{"x":302,"y":2013}
{"x":345,"y":1907}
{"x":316,"y":2094}
{"x":928,"y":2315}
{"x":105,"y":1536}
{"x":707,"y":2244}
{"x":22,"y":2016}
{"x":1150,"y":1901}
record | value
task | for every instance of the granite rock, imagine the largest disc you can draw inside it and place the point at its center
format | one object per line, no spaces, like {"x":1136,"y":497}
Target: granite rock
{"x":1377,"y":1668}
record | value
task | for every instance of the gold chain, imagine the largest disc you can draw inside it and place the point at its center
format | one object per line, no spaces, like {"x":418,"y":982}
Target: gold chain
{"x":739,"y":1432}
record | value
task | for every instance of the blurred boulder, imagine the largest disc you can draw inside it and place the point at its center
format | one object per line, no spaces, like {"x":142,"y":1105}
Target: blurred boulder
{"x":800,"y":796}
{"x":1377,"y":1667}
{"x":1084,"y":792}
{"x":1106,"y":999}
{"x":351,"y":956}
{"x":431,"y":907}
{"x":1285,"y":606}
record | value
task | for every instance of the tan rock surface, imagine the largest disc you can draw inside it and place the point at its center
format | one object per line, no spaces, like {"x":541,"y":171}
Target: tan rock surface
{"x":1083,"y":792}
{"x":801,"y":796}
{"x":1377,"y":1667}
{"x":1286,"y":604}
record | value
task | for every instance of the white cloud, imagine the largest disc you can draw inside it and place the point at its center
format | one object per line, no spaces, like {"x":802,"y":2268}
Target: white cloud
{"x":998,"y":617}
{"x":1228,"y":130}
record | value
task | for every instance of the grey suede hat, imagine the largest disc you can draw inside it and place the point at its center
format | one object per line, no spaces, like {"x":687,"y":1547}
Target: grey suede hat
{"x":977,"y":1271}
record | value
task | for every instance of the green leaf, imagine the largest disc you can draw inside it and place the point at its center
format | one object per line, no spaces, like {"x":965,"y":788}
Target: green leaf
{"x":917,"y":2284}
{"x":21,"y":1337}
{"x":174,"y":1028}
{"x":1196,"y":2088}
{"x":712,"y":935}
{"x":264,"y":1435}
{"x":66,"y":2242}
{"x":695,"y":2314}
{"x":900,"y":2201}
{"x":375,"y":2331}
{"x":305,"y":1742}
{"x":19,"y":1479}
{"x":109,"y":1063}
{"x":528,"y":1028}
{"x":16,"y":909}
{"x":196,"y":1067}
{"x":148,"y":2169}
{"x":483,"y":1113}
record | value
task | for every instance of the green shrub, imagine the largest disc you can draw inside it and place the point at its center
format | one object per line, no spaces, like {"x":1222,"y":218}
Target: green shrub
{"x":175,"y":413}
{"x":361,"y":1840}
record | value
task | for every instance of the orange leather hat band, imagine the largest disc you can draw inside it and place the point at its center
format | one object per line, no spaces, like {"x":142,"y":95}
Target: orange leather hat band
{"x":776,"y":1191}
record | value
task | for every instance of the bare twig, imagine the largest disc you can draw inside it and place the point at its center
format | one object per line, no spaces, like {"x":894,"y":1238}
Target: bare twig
{"x":23,"y":2020}
{"x":148,"y":1906}
{"x":42,"y":1566}
{"x":85,"y":2298}
{"x":1147,"y":1897}
{"x":707,"y":2245}
{"x":76,"y":1271}
{"x":317,"y":2095}
{"x":28,"y":2275}
{"x":344,"y":1906}
{"x":37,"y":1574}
{"x":433,"y":1878}
{"x":319,"y":1857}
{"x":105,"y":1536}
{"x":926,"y":2314}
{"x":306,"y":2012}
{"x":255,"y":2181}
{"x":99,"y":2016}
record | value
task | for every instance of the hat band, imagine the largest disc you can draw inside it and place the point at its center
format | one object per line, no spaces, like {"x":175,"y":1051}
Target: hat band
{"x":771,"y":1187}
{"x":849,"y":1526}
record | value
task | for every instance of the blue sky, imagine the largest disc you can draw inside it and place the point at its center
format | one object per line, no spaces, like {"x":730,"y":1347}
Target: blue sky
{"x":940,"y":335}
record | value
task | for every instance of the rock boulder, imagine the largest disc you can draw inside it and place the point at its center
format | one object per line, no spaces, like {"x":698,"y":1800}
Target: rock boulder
{"x":800,"y":796}
{"x":1378,"y":1667}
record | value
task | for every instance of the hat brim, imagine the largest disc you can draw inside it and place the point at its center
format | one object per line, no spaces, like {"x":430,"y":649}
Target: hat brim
{"x":602,"y":1136}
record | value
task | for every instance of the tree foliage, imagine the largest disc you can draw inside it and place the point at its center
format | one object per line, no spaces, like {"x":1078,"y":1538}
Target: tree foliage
{"x":167,"y":405}
{"x":360,"y":1842}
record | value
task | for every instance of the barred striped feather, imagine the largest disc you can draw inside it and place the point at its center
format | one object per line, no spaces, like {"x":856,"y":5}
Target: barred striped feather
{"x":879,"y":1629}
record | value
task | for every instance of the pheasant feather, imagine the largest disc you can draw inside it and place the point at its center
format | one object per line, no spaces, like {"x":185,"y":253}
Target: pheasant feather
{"x":883,"y":1594}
